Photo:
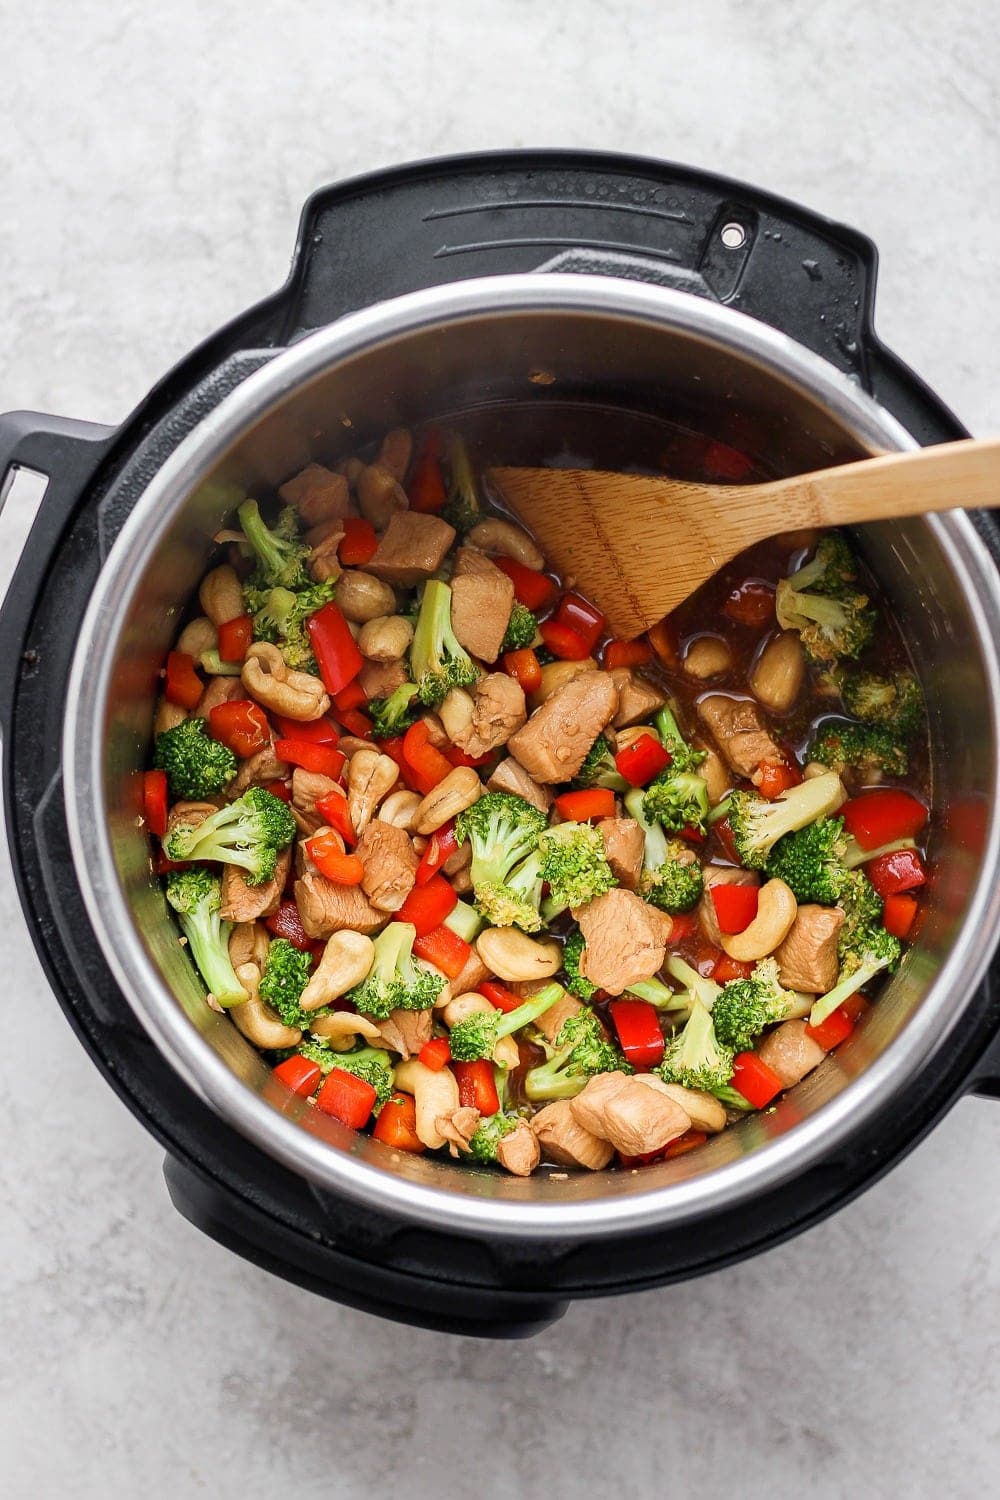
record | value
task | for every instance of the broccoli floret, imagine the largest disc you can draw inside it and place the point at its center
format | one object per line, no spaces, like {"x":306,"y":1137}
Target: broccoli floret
{"x":395,"y":980}
{"x":575,"y":865}
{"x":280,"y":617}
{"x":370,"y":1063}
{"x":892,"y":703}
{"x":683,"y":757}
{"x":758,"y":824}
{"x":522,"y":628}
{"x":503,"y":829}
{"x":874,"y":951}
{"x":705,"y":991}
{"x":832,"y":618}
{"x":864,"y":748}
{"x":212,"y":663}
{"x":581,"y":1051}
{"x":599,"y":768}
{"x":831,"y":569}
{"x":196,"y":765}
{"x":285,"y":976}
{"x":394,"y":715}
{"x":695,"y":1057}
{"x":811,"y":862}
{"x":516,"y":901}
{"x":437,"y":662}
{"x":248,"y":832}
{"x":671,"y":875}
{"x":476,"y":1037}
{"x":862,"y":907}
{"x":280,"y":555}
{"x":731,"y":1098}
{"x":575,"y":982}
{"x":746,"y":1006}
{"x":678,"y":800}
{"x":488,"y":1135}
{"x":196,"y":897}
{"x":463,"y":509}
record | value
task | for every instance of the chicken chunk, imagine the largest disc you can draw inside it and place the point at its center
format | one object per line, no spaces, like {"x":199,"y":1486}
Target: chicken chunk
{"x":307,"y":788}
{"x":624,"y":842}
{"x":378,"y":679}
{"x":551,"y":1022}
{"x":413,"y":547}
{"x":565,"y":1141}
{"x":636,"y":1115}
{"x":738,"y":728}
{"x":258,"y":770}
{"x":480,"y":611}
{"x":553,"y":745}
{"x":458,"y":1127}
{"x":190,"y":814}
{"x":790,"y":1053}
{"x":218,"y":690}
{"x":390,"y":865}
{"x":470,"y":561}
{"x":510,"y":776}
{"x":518,"y":1153}
{"x":720,"y":875}
{"x":624,"y":940}
{"x":406,"y":1031}
{"x":472,"y":975}
{"x":318,"y":495}
{"x":326,"y":908}
{"x":395,"y":452}
{"x":807,"y":958}
{"x":245,"y":903}
{"x":498,"y":710}
{"x":638,"y":698}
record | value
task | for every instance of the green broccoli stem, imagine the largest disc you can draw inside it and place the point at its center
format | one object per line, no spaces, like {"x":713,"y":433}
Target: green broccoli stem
{"x":532,"y":1008}
{"x":856,"y":856}
{"x":655,"y":851}
{"x":209,"y":942}
{"x":666,"y":724}
{"x":705,"y":990}
{"x":659,"y":994}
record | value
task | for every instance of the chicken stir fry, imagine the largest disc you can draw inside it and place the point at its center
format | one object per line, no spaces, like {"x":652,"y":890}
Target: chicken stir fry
{"x":478,"y":879}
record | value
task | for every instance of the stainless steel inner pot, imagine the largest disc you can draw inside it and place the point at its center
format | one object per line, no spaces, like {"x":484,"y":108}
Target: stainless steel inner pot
{"x":614,"y":344}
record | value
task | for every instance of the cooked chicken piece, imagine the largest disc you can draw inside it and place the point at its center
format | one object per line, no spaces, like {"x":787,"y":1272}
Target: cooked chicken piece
{"x":436,"y":733}
{"x":469,"y":561}
{"x":720,"y":875}
{"x":625,"y":940}
{"x":638,"y":698}
{"x":457,"y":861}
{"x":218,"y":690}
{"x":480,"y":610}
{"x":510,"y":776}
{"x":551,"y":1022}
{"x":258,"y":770}
{"x":390,"y":865}
{"x":245,"y":903}
{"x":715,"y":774}
{"x":458,"y":1127}
{"x":636,"y":1115}
{"x":395,"y":452}
{"x":472,"y":975}
{"x":248,"y":944}
{"x":318,"y":494}
{"x":790,"y":1053}
{"x":553,"y":744}
{"x":704,"y":1110}
{"x":413,"y":547}
{"x":518,"y":1152}
{"x":808,"y":956}
{"x":738,"y":728}
{"x":624,"y":842}
{"x":307,"y":788}
{"x":406,"y":1031}
{"x":380,"y":678}
{"x":498,"y":710}
{"x":326,"y":908}
{"x":565,"y":1141}
{"x":190,"y":814}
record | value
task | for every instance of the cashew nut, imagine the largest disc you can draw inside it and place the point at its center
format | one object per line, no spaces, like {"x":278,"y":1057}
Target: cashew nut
{"x":456,"y":712}
{"x":632,"y":732}
{"x":197,"y":636}
{"x":350,"y":468}
{"x":370,"y":777}
{"x":346,"y":960}
{"x":394,"y":454}
{"x":296,"y":695}
{"x":555,"y":674}
{"x":386,"y":638}
{"x":776,"y":909}
{"x":400,"y":809}
{"x":256,"y":1020}
{"x":704,"y":1110}
{"x":341,"y":1027}
{"x":248,"y":944}
{"x":716,"y":775}
{"x":324,"y":559}
{"x":434,"y":1094}
{"x":379,"y":494}
{"x":218,"y":690}
{"x":504,"y":539}
{"x":707,"y":656}
{"x":512,"y":955}
{"x":505,"y":1053}
{"x":776,"y":679}
{"x":167,"y":716}
{"x":361,"y":597}
{"x":459,"y":790}
{"x":221,"y":595}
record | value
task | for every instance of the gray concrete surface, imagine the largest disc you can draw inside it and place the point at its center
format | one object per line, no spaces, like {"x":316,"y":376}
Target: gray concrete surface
{"x":152,"y":163}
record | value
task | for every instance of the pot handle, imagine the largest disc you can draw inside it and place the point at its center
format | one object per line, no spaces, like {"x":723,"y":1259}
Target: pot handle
{"x":986,"y":1074}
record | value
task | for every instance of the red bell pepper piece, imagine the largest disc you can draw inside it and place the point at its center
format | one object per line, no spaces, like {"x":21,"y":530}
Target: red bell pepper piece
{"x":335,"y":813}
{"x":500,"y":997}
{"x":835,"y":1029}
{"x":183,"y":686}
{"x":427,"y":766}
{"x":532,"y":589}
{"x":154,"y":802}
{"x":725,"y":968}
{"x":776,"y":776}
{"x":638,"y":1028}
{"x":347,"y":1097}
{"x":643,"y":759}
{"x":899,"y":913}
{"x":582,"y":617}
{"x":444,"y":949}
{"x":665,"y":642}
{"x":330,"y":860}
{"x":358,"y":543}
{"x":892,"y":874}
{"x":476,"y":1087}
{"x":683,"y":924}
{"x":441,"y":845}
{"x":590,"y":802}
{"x":752,"y":603}
{"x":241,"y":725}
{"x":352,"y":696}
{"x":356,"y":723}
{"x":883,"y":816}
{"x":735,"y":906}
{"x":334,"y":647}
{"x":458,"y":757}
{"x":298,"y":1074}
{"x":286,"y":923}
{"x":281,"y":790}
{"x":723,"y":462}
{"x":396,"y":1125}
{"x":627,"y":654}
{"x":725,"y":837}
{"x":317,"y":732}
{"x":435,"y":1053}
{"x":563,"y":642}
{"x":425,"y":488}
{"x":524,"y":667}
{"x":235,"y":638}
{"x":426,"y":906}
{"x":755,"y":1080}
{"x":323,"y":760}
{"x":164,"y":866}
{"x":684,"y":1143}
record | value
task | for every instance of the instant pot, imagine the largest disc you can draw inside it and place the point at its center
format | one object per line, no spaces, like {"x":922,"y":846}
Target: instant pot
{"x":479,"y":284}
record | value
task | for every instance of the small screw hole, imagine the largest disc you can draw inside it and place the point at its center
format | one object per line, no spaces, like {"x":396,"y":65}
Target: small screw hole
{"x":734,"y":236}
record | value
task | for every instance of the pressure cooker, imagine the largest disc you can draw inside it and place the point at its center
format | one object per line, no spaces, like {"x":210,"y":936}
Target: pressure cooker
{"x":465,"y":285}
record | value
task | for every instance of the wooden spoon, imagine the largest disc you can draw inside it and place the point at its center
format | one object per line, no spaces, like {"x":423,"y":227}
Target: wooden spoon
{"x":638,"y":546}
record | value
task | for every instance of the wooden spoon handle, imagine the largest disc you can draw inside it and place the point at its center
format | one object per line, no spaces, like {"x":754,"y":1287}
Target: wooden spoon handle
{"x":944,"y":477}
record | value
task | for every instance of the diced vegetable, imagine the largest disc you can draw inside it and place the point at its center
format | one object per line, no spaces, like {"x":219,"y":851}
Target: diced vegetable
{"x":582,"y":617}
{"x":899,"y":913}
{"x":775,"y":777}
{"x":500,"y":996}
{"x":318,"y":732}
{"x":356,"y":723}
{"x":426,"y":764}
{"x":725,"y":968}
{"x":334,"y":811}
{"x":445,"y":949}
{"x":643,"y":759}
{"x":235,"y":638}
{"x":287,"y":923}
{"x":476,"y":1086}
{"x":332,"y":863}
{"x":831,"y":1032}
{"x":300,"y":1074}
{"x":532,"y":589}
{"x":396,"y":1126}
{"x":427,"y":905}
{"x":525,"y":668}
{"x":350,"y":697}
{"x":154,"y":802}
{"x":735,"y":906}
{"x":324,"y":760}
{"x":347,"y":1097}
{"x":183,"y":686}
{"x":334,"y":647}
{"x":441,"y":845}
{"x":583,"y":806}
{"x":638,"y":1026}
{"x":892,"y":874}
{"x":665,"y":643}
{"x":627,"y":654}
{"x":435,"y":1054}
{"x":241,"y":725}
{"x":425,"y":488}
{"x":563,"y":642}
{"x":882,"y":816}
{"x":752,"y":1078}
{"x":358,"y":543}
